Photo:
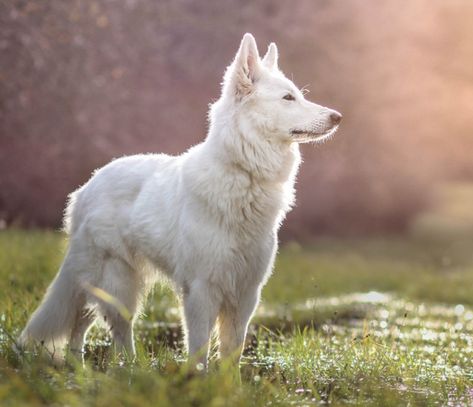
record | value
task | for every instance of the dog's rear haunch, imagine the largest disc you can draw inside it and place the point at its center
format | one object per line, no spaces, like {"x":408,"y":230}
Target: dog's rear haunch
{"x":207,"y":219}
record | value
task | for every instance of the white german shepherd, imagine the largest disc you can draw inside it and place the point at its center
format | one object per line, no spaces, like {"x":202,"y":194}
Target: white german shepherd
{"x":207,"y":219}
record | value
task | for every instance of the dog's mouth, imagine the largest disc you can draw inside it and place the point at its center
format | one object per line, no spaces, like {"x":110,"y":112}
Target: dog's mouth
{"x":307,"y":136}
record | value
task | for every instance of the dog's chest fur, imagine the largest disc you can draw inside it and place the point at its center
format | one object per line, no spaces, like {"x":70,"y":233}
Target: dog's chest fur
{"x":243,"y":204}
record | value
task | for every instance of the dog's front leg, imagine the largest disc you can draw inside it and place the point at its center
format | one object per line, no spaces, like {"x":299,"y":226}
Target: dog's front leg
{"x":233,"y":324}
{"x":200,"y":314}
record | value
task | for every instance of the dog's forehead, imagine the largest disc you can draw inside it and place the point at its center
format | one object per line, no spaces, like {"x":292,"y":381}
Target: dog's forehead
{"x":276,"y":82}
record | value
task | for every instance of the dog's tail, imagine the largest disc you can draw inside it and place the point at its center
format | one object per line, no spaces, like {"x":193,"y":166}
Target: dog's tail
{"x":52,"y":322}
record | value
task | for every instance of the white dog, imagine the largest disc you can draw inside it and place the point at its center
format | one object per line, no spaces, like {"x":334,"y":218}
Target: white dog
{"x":207,"y":219}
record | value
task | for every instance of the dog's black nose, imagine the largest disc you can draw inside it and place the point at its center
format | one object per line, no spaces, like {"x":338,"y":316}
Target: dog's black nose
{"x":335,"y":118}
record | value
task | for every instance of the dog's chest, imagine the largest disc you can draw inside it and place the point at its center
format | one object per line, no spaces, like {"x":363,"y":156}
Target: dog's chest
{"x":254,"y":210}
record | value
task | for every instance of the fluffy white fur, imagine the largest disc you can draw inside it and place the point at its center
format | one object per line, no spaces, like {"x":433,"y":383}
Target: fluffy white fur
{"x":207,"y":219}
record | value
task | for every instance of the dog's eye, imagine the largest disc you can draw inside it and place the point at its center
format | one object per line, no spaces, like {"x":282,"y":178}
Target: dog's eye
{"x":289,"y":97}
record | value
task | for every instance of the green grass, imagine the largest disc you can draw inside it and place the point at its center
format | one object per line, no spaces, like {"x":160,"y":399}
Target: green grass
{"x":385,"y":321}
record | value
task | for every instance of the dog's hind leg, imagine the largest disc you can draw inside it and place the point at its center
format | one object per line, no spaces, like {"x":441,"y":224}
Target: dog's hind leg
{"x":120,"y":302}
{"x":84,"y":320}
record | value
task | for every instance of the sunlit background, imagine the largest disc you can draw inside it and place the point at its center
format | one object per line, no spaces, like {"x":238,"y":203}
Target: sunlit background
{"x":82,"y":82}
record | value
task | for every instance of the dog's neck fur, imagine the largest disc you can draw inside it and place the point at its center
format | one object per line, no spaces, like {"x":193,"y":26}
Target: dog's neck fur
{"x":253,"y":149}
{"x":235,"y":174}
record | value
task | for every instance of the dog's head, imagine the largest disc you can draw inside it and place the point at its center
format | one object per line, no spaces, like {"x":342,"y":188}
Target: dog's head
{"x":268,"y":103}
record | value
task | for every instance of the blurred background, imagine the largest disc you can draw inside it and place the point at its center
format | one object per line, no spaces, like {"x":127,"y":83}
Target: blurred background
{"x":82,"y":82}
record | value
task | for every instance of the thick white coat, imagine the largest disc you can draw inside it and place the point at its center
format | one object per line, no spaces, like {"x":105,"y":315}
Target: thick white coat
{"x":207,"y":219}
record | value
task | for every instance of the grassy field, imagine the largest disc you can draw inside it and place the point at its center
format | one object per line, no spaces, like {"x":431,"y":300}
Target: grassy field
{"x":360,"y":322}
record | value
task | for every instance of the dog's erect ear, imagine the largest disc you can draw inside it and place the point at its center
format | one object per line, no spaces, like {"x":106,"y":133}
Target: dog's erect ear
{"x":245,"y":69}
{"x":270,"y":60}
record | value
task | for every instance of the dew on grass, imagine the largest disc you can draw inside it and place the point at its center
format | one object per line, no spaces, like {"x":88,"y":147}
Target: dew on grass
{"x":459,"y":309}
{"x":458,"y":326}
{"x":384,"y":314}
{"x":368,"y":344}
